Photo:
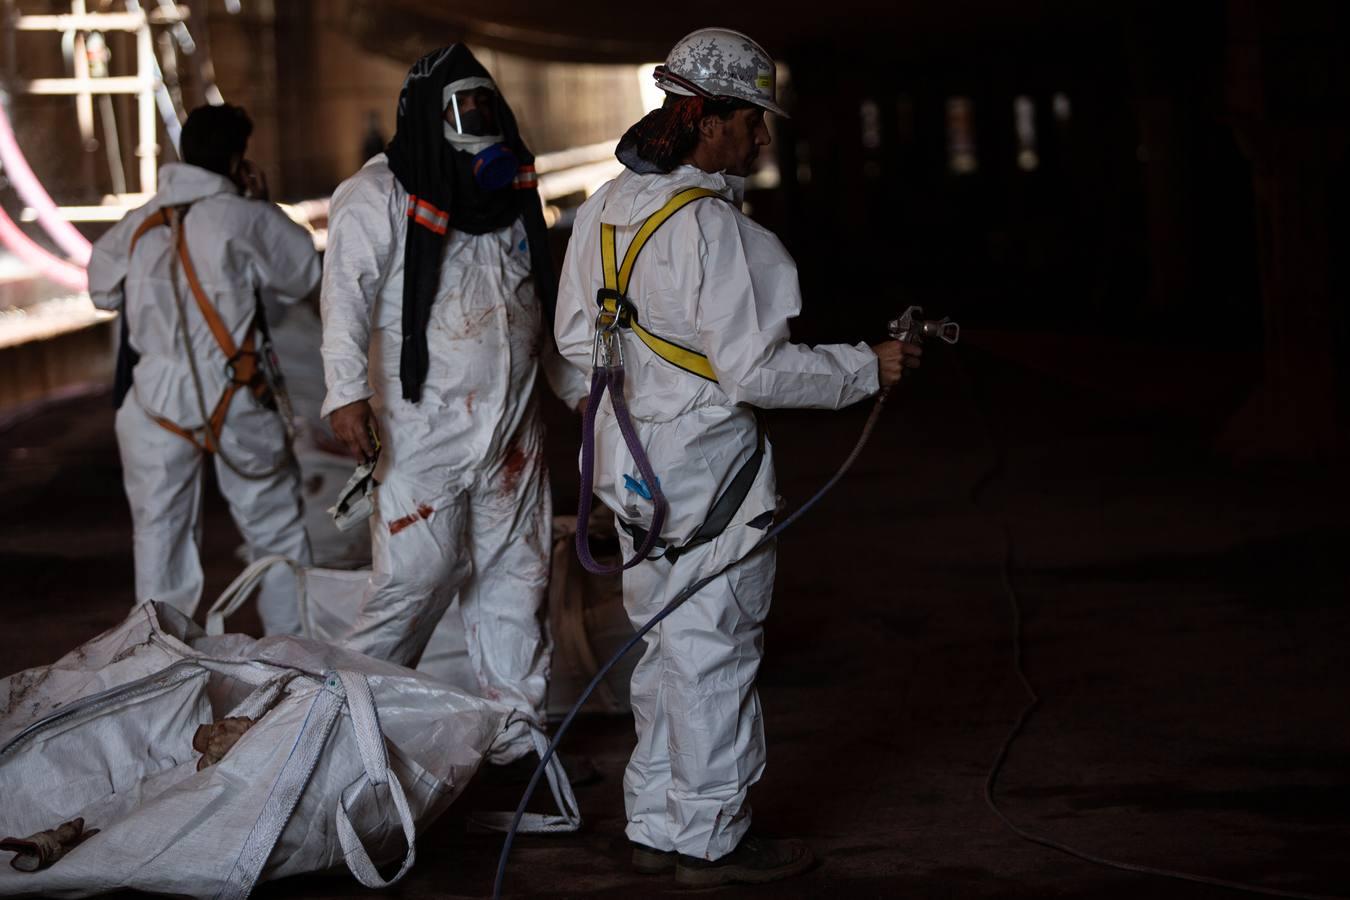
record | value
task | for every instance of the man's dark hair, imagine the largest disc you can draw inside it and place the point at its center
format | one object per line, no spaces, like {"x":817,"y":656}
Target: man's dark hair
{"x":213,"y":135}
{"x":722,"y":107}
{"x":660,"y":140}
{"x":684,"y":138}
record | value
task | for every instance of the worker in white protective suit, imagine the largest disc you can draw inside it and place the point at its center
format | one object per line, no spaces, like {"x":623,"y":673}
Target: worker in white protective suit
{"x":197,"y":260}
{"x":437,"y":282}
{"x":704,"y":337}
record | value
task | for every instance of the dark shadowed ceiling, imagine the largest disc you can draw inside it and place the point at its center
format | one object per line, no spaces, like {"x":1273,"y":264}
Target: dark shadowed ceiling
{"x":608,"y":32}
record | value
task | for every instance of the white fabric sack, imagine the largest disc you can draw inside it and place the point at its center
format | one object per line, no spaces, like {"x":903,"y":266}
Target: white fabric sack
{"x":329,"y":600}
{"x":347,"y":757}
{"x":586,"y":621}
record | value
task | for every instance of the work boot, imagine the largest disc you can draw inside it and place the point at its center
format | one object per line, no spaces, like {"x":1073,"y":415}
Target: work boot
{"x":650,"y":861}
{"x":754,"y":861}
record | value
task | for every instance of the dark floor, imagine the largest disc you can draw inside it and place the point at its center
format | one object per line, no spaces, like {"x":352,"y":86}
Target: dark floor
{"x":1186,"y":619}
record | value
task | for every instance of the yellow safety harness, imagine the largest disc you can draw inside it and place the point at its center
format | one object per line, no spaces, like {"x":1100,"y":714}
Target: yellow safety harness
{"x":617,"y":311}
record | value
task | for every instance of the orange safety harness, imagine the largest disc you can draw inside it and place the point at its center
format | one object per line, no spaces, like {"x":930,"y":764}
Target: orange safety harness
{"x":241,"y":363}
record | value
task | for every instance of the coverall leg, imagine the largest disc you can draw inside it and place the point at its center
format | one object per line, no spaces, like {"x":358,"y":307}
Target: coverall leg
{"x":419,"y":562}
{"x":489,"y":543}
{"x":162,"y":476}
{"x":700,"y":737}
{"x":502,"y":603}
{"x":268,"y":512}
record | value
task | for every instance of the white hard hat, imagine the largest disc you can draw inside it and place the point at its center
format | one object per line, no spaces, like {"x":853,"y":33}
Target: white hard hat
{"x":719,"y":62}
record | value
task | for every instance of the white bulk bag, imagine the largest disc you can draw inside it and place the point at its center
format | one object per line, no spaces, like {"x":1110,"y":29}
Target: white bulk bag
{"x":586,"y":620}
{"x":347,"y":757}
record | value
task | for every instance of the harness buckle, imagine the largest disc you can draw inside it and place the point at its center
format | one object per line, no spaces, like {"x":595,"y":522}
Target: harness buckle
{"x":616,"y":310}
{"x":234,"y":363}
{"x":250,"y":361}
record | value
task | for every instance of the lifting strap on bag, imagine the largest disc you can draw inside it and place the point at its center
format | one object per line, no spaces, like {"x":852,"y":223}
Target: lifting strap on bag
{"x":241,"y":363}
{"x":613,"y":298}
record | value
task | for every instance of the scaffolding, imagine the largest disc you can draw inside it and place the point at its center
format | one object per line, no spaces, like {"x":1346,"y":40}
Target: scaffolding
{"x":42,"y":291}
{"x":154,"y":85}
{"x":79,"y":24}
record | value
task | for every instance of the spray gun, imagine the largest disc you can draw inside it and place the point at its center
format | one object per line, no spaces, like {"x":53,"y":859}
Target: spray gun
{"x":912,"y":328}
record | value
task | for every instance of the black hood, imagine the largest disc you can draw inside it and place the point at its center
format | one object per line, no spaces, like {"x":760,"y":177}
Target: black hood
{"x":443,"y":195}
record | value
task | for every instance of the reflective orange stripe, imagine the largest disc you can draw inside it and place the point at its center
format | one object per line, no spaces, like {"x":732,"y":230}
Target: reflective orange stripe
{"x":526,"y":179}
{"x":427,"y":215}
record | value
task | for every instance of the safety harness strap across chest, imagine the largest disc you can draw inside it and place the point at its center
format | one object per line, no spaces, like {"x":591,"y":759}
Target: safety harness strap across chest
{"x":617,"y":311}
{"x":242,"y":366}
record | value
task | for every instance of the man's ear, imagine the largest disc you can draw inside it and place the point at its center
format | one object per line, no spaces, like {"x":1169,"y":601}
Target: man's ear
{"x":709,"y":127}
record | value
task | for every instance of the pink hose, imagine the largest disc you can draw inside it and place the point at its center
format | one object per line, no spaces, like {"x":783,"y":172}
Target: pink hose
{"x":31,"y":191}
{"x":55,"y":268}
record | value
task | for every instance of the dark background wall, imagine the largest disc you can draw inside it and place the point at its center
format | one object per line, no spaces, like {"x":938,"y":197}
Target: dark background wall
{"x":1193,"y":198}
{"x":1138,"y":213}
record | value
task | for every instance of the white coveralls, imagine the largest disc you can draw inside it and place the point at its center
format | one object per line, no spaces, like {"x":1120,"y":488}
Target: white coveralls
{"x":714,"y":281}
{"x":462,"y":503}
{"x":240,"y":248}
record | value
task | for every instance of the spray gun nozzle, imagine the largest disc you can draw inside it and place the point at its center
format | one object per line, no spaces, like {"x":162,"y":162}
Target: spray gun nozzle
{"x":912,"y":328}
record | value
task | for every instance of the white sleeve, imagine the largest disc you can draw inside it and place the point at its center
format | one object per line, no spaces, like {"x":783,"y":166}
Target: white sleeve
{"x":283,"y":257}
{"x":568,"y":383}
{"x":108,"y":263}
{"x":360,"y":238}
{"x":574,"y":318}
{"x":748,"y":292}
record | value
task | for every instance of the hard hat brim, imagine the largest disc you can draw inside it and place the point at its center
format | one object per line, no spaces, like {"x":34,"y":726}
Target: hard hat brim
{"x":772,"y":107}
{"x":767,"y":105}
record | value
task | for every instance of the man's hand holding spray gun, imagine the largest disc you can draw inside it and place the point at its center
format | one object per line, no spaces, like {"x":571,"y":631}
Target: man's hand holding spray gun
{"x":905,"y":351}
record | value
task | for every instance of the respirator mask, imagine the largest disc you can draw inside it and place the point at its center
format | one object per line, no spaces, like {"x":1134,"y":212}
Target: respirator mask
{"x":473,"y":125}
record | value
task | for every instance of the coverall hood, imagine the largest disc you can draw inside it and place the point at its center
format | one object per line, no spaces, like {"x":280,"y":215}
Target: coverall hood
{"x":181,"y":183}
{"x":633,"y":197}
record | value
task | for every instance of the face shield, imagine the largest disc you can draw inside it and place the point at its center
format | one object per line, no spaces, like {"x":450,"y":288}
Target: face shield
{"x":472,"y":114}
{"x":473,"y":124}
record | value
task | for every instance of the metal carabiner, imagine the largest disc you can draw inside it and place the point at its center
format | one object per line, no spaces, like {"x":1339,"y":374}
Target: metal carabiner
{"x":608,"y":346}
